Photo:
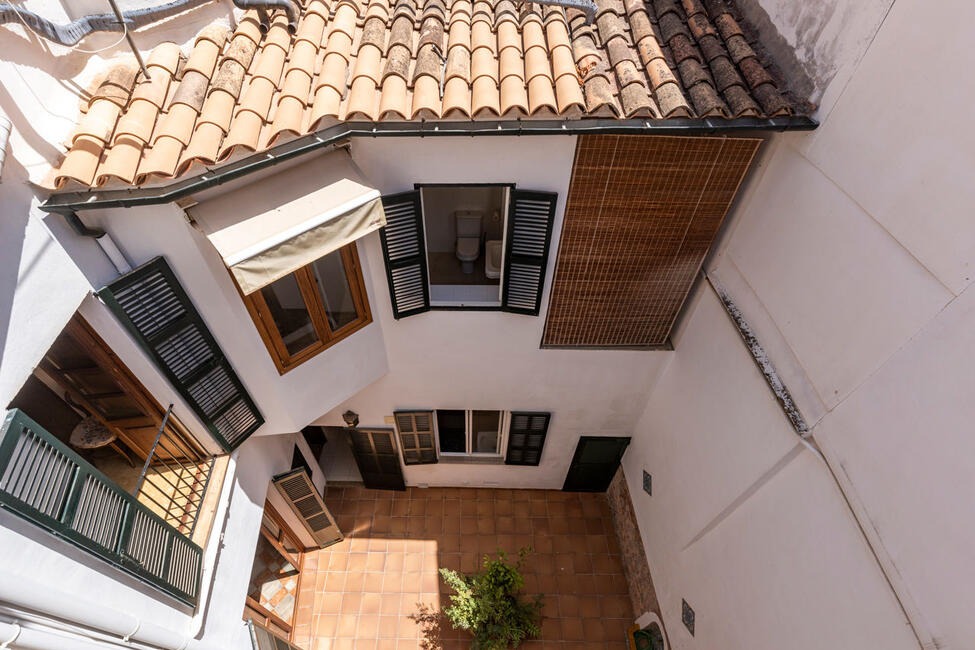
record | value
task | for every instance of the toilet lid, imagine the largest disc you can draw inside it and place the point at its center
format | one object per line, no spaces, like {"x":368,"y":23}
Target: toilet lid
{"x":468,"y":246}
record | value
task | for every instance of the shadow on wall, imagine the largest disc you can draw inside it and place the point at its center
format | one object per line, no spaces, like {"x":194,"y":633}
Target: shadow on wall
{"x":15,"y":199}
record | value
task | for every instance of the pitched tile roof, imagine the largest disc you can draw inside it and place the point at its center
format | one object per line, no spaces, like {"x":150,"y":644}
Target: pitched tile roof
{"x":396,"y":60}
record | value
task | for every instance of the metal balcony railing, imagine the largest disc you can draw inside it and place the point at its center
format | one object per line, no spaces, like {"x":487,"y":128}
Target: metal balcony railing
{"x":174,"y":479}
{"x":45,"y":482}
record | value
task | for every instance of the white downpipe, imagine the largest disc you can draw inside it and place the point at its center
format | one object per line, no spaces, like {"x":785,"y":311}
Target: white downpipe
{"x":22,"y":592}
{"x":4,"y":140}
{"x":32,"y":639}
{"x":114,"y":253}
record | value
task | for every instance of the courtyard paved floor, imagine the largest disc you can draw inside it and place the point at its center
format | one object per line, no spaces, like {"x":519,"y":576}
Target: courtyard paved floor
{"x":365,"y":592}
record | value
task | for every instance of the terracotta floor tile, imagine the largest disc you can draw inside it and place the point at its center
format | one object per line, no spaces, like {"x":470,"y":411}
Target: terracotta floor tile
{"x":568,"y":606}
{"x":406,"y":628}
{"x":388,"y":627}
{"x":325,"y":626}
{"x":369,"y":626}
{"x":388,"y":568}
{"x":354,"y":582}
{"x":373,"y":583}
{"x":351,"y":603}
{"x":412,"y":562}
{"x":330,"y":603}
{"x":322,"y":643}
{"x":375,"y":561}
{"x":394,"y":562}
{"x":343,"y":644}
{"x":589,"y":606}
{"x":347,"y":625}
{"x":334,"y":582}
{"x":371,"y":603}
{"x":572,"y":629}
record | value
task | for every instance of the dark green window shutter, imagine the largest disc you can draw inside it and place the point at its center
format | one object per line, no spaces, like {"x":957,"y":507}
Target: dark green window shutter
{"x":415,"y":429}
{"x":530,"y":219}
{"x":526,"y":437}
{"x":405,"y":253}
{"x":150,"y":302}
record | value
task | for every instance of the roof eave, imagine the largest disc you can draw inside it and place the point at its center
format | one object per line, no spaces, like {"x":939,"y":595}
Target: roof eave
{"x":70,"y":202}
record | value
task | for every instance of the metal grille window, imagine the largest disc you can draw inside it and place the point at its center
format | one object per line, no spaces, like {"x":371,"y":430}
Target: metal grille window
{"x":152,"y":305}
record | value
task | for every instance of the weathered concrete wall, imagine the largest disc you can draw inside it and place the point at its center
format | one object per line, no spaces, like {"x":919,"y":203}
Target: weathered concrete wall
{"x":815,"y":43}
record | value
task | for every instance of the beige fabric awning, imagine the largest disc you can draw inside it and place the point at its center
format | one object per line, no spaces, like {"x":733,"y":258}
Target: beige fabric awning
{"x":276,"y":225}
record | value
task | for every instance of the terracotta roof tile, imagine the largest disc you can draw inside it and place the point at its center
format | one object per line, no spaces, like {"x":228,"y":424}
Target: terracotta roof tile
{"x":238,"y":92}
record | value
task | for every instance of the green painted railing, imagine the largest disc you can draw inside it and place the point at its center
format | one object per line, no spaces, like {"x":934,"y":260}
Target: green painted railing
{"x":45,"y":482}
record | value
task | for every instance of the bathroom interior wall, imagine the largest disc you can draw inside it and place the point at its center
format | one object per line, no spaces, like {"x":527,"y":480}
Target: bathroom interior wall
{"x":440,"y":203}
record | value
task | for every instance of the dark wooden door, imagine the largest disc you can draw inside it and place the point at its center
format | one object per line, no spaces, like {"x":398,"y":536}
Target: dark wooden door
{"x":595,"y":463}
{"x":375,"y":454}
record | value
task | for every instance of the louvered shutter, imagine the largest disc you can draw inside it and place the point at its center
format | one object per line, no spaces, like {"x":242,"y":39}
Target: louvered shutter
{"x":150,"y":302}
{"x":375,"y":455}
{"x":530,"y":219}
{"x":526,"y":437}
{"x":415,"y":430}
{"x":300,"y":493}
{"x":405,"y":253}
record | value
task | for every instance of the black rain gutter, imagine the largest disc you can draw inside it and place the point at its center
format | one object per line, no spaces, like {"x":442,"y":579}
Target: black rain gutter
{"x":69,"y":203}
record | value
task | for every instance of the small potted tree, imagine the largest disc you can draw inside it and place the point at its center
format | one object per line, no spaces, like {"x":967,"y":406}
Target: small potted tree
{"x":489,"y":605}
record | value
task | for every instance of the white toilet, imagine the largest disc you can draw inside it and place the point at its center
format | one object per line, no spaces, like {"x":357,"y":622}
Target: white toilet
{"x":468,"y":246}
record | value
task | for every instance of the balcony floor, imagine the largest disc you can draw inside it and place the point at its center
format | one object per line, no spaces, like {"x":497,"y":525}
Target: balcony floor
{"x":365,"y":592}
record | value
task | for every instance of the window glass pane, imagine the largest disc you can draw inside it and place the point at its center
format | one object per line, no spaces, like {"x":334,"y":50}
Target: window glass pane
{"x":484,"y":436}
{"x":453,"y":431}
{"x":287,"y":307}
{"x":333,"y":286}
{"x":271,"y":527}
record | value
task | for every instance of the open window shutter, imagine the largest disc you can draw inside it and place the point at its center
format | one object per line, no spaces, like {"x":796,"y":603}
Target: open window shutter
{"x":300,"y":493}
{"x":151,"y":304}
{"x":415,"y":430}
{"x":530,"y":218}
{"x":526,"y":437}
{"x":405,"y":253}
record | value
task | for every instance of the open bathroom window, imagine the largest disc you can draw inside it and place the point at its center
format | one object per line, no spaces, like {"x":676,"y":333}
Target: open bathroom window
{"x":467,"y":246}
{"x":470,"y":433}
{"x":464,"y":227}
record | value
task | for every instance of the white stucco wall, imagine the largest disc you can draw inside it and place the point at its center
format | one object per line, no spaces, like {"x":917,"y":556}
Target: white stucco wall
{"x":850,"y":255}
{"x":490,"y":360}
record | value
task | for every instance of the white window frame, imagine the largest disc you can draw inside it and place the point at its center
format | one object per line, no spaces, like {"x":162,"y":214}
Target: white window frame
{"x":504,"y":423}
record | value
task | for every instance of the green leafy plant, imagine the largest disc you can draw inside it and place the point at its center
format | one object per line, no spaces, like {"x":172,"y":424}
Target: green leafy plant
{"x":489,"y":606}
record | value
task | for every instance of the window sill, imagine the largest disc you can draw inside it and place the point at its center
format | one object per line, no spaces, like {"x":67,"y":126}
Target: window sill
{"x":472,"y":460}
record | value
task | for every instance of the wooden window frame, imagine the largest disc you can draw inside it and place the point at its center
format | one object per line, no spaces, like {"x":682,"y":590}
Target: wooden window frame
{"x":285,"y":531}
{"x":264,"y":321}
